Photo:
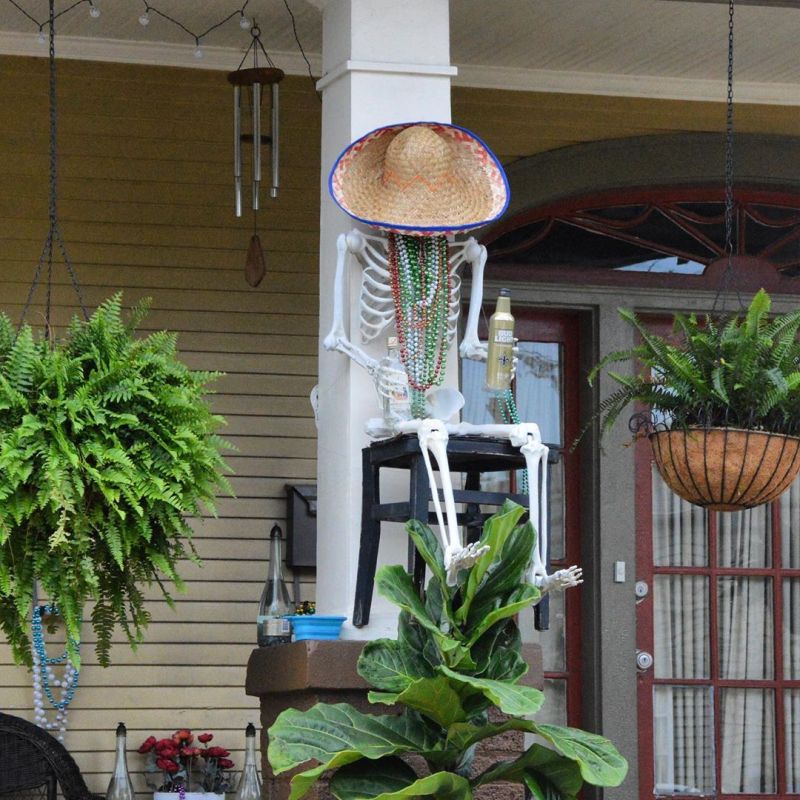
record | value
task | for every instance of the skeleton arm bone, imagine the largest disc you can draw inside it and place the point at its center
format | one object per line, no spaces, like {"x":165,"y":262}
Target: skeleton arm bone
{"x":471,"y":346}
{"x":354,"y":243}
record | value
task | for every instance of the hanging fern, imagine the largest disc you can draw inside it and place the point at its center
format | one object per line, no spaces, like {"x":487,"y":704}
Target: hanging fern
{"x":107,"y":446}
{"x":744,"y":373}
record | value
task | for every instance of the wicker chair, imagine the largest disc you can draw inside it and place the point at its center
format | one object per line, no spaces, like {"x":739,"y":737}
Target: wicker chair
{"x":34,"y":765}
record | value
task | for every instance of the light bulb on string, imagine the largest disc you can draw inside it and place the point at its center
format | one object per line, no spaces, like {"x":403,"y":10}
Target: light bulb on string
{"x":94,"y":11}
{"x":198,"y":53}
{"x":40,"y":37}
{"x":244,"y":23}
{"x":144,"y":19}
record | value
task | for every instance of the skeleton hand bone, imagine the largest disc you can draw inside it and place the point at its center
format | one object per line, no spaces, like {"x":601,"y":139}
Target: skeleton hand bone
{"x":458,"y":558}
{"x":559,"y":580}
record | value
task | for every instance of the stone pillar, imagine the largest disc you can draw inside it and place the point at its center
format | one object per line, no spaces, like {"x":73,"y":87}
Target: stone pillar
{"x":384,"y":62}
{"x":304,"y":673}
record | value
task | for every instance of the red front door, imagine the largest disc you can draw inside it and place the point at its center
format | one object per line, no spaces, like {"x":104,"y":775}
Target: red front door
{"x":546,"y":390}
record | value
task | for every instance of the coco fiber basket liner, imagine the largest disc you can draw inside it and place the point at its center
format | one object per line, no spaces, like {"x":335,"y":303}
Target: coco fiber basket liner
{"x":726,"y":469}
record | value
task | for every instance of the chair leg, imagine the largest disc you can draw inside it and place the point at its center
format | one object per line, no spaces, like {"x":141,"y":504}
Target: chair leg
{"x":370,"y":540}
{"x":419,"y":493}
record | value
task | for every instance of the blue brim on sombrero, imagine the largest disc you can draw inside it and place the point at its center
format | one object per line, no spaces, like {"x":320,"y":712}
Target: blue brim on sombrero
{"x":420,"y":179}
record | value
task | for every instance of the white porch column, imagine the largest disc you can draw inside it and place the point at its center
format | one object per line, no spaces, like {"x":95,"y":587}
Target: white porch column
{"x":384,"y":61}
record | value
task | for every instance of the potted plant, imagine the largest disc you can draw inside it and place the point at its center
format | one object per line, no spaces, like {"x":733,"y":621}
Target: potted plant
{"x":456,"y":658}
{"x":107,"y":446}
{"x":724,"y":401}
{"x":187,"y":768}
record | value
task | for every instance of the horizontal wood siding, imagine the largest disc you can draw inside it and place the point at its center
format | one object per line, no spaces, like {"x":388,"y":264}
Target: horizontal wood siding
{"x":520,"y":124}
{"x":146,"y":207}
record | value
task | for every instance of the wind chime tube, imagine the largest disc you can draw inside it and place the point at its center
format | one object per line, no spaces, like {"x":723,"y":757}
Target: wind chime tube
{"x":256,"y":143}
{"x":237,"y":149}
{"x":275,"y":140}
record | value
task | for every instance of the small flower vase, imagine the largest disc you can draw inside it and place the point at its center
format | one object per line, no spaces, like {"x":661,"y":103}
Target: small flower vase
{"x":188,"y":796}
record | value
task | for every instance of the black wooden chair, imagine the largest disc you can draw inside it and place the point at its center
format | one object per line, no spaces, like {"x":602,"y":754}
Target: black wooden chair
{"x":35,"y":766}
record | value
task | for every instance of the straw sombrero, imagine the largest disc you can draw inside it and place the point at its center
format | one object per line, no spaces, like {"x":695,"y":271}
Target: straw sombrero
{"x":421,"y":179}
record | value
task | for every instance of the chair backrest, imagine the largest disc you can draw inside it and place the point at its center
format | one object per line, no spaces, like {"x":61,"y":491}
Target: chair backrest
{"x":32,"y":762}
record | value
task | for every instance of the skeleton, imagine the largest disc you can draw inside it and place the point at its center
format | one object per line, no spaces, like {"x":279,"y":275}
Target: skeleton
{"x":377,"y":313}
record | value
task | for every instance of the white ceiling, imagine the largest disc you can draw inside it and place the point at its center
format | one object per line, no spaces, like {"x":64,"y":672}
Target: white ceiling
{"x":648,"y":47}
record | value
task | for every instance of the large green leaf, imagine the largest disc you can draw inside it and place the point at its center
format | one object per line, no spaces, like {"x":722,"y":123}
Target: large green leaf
{"x":497,"y":653}
{"x":505,"y":575}
{"x":366,"y":779}
{"x":495,"y":532}
{"x":508,"y":697}
{"x":542,"y":789}
{"x":563,"y":773}
{"x":435,"y":698}
{"x":523,"y":597}
{"x":338,"y":734}
{"x":427,"y":544}
{"x":440,"y":785}
{"x":390,"y":665}
{"x":396,"y":585}
{"x":599,"y":761}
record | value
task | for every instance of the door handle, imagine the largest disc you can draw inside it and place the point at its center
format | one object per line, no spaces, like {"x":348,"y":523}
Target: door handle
{"x":644,"y":660}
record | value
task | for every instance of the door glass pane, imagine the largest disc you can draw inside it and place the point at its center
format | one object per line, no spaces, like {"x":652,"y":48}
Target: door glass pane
{"x":538,"y":385}
{"x":683,"y":740}
{"x":748,"y":740}
{"x":680,"y":620}
{"x":791,"y":705}
{"x":791,"y":628}
{"x":680,"y":536}
{"x":745,"y":628}
{"x":557,"y":511}
{"x":790,"y":526}
{"x":479,"y":404}
{"x":743,"y":538}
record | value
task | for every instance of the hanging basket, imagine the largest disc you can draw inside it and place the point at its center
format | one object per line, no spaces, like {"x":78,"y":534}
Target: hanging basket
{"x":726,"y":469}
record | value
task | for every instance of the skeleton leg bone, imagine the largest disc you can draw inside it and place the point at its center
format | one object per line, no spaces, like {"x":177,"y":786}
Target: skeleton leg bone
{"x":433,"y":436}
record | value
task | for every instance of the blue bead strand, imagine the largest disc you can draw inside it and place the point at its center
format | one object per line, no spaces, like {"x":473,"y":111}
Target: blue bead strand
{"x":42,"y":672}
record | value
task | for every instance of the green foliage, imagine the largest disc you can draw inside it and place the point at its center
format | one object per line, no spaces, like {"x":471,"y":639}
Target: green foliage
{"x":107,"y":444}
{"x":740,"y":373}
{"x":456,"y":656}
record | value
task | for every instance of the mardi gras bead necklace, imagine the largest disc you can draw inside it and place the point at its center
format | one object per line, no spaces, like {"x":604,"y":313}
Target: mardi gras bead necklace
{"x":44,"y":678}
{"x":421,"y":286}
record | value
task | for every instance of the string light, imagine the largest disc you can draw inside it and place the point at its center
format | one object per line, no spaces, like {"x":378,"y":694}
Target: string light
{"x":245,"y":23}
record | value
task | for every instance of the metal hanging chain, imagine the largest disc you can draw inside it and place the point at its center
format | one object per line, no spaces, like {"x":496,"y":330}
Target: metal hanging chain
{"x":53,"y":233}
{"x":728,"y":277}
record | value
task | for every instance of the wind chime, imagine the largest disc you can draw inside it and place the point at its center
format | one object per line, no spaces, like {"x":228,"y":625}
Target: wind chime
{"x":47,"y":687}
{"x":255,"y":78}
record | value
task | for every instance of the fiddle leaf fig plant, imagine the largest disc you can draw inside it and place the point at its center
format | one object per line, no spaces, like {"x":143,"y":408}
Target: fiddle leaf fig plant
{"x":742,"y":372}
{"x":107,"y":445}
{"x":456,"y":657}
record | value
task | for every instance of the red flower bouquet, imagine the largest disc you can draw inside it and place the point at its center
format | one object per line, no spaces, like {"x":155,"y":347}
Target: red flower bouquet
{"x":183,"y":764}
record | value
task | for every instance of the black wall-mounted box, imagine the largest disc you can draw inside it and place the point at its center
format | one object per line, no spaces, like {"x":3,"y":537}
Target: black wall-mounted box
{"x":301,"y":526}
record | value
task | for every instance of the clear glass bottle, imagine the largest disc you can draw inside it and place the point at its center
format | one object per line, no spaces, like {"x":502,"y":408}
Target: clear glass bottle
{"x":396,"y":396}
{"x":273,"y":627}
{"x":249,"y":787}
{"x":120,"y":786}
